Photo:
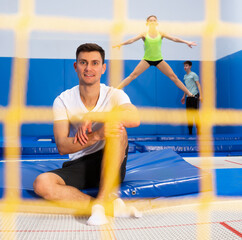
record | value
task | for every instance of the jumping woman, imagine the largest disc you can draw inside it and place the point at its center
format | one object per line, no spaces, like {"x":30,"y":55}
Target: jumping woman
{"x":153,"y":56}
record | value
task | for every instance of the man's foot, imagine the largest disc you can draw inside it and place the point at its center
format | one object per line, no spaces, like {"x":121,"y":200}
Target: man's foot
{"x":98,"y":216}
{"x":121,"y":210}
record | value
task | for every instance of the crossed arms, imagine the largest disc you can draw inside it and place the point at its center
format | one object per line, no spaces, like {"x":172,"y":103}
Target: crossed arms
{"x":85,"y":137}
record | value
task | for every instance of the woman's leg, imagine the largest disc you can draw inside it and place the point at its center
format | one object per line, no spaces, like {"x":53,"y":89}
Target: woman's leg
{"x":140,"y":68}
{"x":166,"y":69}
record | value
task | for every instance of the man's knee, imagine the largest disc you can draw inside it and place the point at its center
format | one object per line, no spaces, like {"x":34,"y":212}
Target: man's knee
{"x":41,"y":185}
{"x":124,"y":144}
{"x":44,"y":185}
{"x":124,"y":138}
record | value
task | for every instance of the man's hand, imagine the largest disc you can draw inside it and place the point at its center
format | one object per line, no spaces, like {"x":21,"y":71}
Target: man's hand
{"x":114,"y":129}
{"x":81,"y":134}
{"x":190,"y":95}
{"x":183,"y":100}
{"x":99,"y":134}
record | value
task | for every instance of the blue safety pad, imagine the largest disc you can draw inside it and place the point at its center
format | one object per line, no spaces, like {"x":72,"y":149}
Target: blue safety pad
{"x":155,"y":174}
{"x":132,"y":148}
{"x":189,"y":146}
{"x":33,"y":146}
{"x":216,"y":137}
{"x":143,"y":138}
{"x":29,"y":171}
{"x":230,"y":143}
{"x":161,"y":173}
{"x":2,"y":180}
{"x":229,"y":182}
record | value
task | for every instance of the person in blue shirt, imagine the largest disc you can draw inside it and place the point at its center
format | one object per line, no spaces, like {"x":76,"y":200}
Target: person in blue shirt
{"x":191,"y":80}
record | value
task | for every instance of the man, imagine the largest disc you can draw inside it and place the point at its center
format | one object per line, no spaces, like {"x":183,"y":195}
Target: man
{"x":83,"y":140}
{"x":191,"y":80}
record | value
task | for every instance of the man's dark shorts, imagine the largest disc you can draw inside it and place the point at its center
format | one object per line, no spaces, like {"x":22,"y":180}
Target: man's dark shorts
{"x":85,"y":171}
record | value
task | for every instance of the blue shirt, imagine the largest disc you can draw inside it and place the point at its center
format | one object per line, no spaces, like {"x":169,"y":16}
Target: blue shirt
{"x":190,"y":82}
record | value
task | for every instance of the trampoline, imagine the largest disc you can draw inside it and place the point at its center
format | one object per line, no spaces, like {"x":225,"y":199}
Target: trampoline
{"x":148,"y":175}
{"x":151,"y":172}
{"x":168,"y":176}
{"x":163,"y":178}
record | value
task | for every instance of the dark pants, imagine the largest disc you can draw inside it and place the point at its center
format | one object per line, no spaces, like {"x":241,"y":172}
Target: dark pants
{"x":193,"y":103}
{"x":85,"y":172}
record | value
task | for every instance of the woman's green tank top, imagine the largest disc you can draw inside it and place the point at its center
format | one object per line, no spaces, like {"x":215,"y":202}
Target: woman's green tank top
{"x":153,"y":48}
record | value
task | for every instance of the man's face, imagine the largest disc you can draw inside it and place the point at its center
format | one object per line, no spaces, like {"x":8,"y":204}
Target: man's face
{"x":89,"y":67}
{"x":187,"y":67}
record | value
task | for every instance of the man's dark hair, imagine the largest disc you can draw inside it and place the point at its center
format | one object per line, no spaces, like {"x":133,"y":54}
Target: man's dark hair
{"x":90,"y":47}
{"x":188,"y":62}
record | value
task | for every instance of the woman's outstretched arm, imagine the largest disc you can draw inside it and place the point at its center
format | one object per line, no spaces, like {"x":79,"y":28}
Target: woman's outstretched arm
{"x":179,"y":40}
{"x":129,"y":41}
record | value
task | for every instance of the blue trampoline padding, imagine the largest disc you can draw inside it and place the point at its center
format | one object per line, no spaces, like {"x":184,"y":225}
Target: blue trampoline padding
{"x":31,"y":146}
{"x":29,"y":171}
{"x":155,"y":174}
{"x":143,"y":138}
{"x":159,"y":174}
{"x":2,"y":181}
{"x":188,"y":146}
{"x":216,"y":137}
{"x":229,"y":182}
{"x":132,"y":148}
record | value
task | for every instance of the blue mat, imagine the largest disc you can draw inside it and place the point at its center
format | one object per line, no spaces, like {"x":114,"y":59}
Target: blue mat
{"x":229,"y":182}
{"x":231,"y":144}
{"x":155,"y":174}
{"x":189,"y":146}
{"x":37,"y":146}
{"x":216,"y":137}
{"x":159,"y":174}
{"x":143,"y":138}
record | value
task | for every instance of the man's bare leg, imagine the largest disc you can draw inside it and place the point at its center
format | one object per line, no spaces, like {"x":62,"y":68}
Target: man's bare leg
{"x":109,"y":186}
{"x":52,"y":187}
{"x":109,"y":176}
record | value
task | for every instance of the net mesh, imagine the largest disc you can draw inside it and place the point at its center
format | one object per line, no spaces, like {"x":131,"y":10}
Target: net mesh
{"x":17,"y":113}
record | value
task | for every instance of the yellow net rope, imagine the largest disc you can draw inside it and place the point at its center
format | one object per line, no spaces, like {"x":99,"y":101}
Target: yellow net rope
{"x":18,"y":113}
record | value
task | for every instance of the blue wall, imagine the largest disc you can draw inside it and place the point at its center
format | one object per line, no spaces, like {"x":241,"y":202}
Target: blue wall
{"x":49,"y":77}
{"x":228,"y":86}
{"x":5,"y":69}
{"x":229,"y":81}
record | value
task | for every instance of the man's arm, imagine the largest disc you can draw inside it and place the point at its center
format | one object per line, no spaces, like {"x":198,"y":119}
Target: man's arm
{"x":129,"y":110}
{"x":200,"y":91}
{"x":66,"y":145}
{"x":183,"y":98}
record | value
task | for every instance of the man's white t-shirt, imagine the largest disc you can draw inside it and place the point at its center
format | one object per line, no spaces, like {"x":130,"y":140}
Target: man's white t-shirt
{"x":69,"y":106}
